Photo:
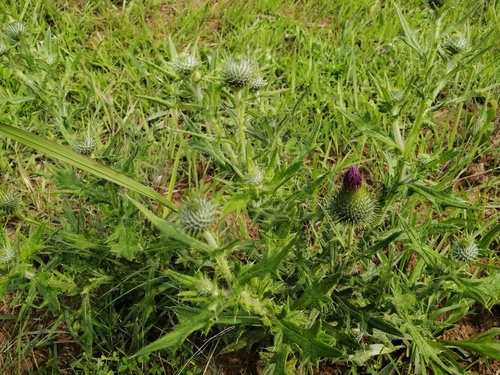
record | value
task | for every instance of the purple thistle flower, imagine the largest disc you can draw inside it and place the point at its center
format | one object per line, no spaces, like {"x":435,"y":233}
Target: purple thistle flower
{"x":352,"y":179}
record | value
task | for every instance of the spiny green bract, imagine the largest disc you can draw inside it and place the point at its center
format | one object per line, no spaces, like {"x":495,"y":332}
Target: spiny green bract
{"x":197,"y":215}
{"x":8,"y":202}
{"x":237,"y":73}
{"x":353,"y":205}
{"x":464,"y":250}
{"x":85,"y":146}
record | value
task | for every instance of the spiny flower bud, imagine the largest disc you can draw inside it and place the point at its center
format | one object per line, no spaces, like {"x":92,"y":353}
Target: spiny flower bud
{"x":237,"y":73}
{"x":3,"y":49}
{"x":85,"y":146}
{"x":15,"y":31}
{"x":185,"y":65}
{"x":464,"y":250}
{"x":255,"y":177}
{"x":8,"y":202}
{"x":257,"y":83}
{"x":353,"y":205}
{"x":51,"y":59}
{"x":455,"y":44}
{"x":396,"y":96}
{"x":422,"y":160}
{"x":196,"y":215}
{"x":7,"y":254}
{"x":435,"y":4}
{"x":205,"y":287}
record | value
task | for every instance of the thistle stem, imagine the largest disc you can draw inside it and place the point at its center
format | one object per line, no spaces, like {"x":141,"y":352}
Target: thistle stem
{"x":350,"y":241}
{"x":240,"y":112}
{"x":219,"y":257}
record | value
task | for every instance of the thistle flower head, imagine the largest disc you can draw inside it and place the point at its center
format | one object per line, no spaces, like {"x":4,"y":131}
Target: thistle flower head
{"x":255,"y":177}
{"x":352,"y":179}
{"x":237,"y":73}
{"x":197,"y":215}
{"x":186,"y":65}
{"x":85,"y":146}
{"x":7,"y":254}
{"x":3,"y":49}
{"x":51,"y":59}
{"x":455,"y":44}
{"x":15,"y":31}
{"x":257,"y":83}
{"x":205,"y":287}
{"x":8,"y":202}
{"x":353,"y":205}
{"x":464,"y":250}
{"x":396,"y":96}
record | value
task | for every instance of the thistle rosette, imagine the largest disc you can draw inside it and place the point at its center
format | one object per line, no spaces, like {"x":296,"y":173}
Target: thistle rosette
{"x":197,"y":215}
{"x":353,"y":205}
{"x":464,"y":250}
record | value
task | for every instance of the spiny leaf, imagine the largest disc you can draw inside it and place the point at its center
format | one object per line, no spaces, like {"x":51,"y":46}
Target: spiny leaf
{"x":317,"y":292}
{"x":171,"y":230}
{"x":180,"y":332}
{"x":311,"y":340}
{"x":268,"y":264}
{"x":442,"y":198}
{"x":482,"y":344}
{"x":71,"y":157}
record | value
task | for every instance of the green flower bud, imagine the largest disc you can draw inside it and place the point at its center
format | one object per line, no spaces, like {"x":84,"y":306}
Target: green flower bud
{"x":185,"y":65}
{"x":353,"y":205}
{"x":85,"y":146}
{"x":455,"y":44}
{"x":197,"y":215}
{"x":237,"y":73}
{"x":205,"y":287}
{"x":15,"y":31}
{"x":8,"y":202}
{"x":396,"y":96}
{"x":423,"y":160}
{"x":255,"y":177}
{"x":3,"y":49}
{"x":464,"y":250}
{"x":7,"y":254}
{"x":51,"y":59}
{"x":257,"y":83}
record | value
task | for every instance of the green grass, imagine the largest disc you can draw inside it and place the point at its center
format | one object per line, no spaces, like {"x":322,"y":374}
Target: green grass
{"x":110,"y":263}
